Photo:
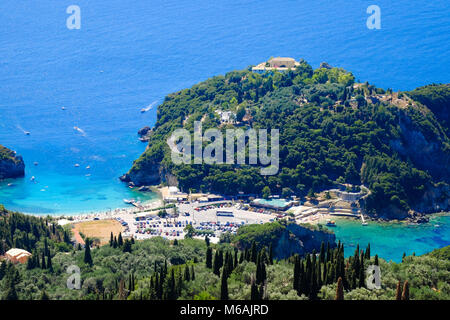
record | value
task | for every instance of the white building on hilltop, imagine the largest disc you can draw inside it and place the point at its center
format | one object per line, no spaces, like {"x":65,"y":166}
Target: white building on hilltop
{"x":278,"y":64}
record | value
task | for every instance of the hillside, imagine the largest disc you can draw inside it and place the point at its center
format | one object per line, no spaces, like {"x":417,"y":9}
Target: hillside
{"x":11,"y":164}
{"x":437,"y":99}
{"x":159,"y":269}
{"x":331,"y":130}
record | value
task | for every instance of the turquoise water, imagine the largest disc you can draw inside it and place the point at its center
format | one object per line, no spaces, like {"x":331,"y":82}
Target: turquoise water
{"x":390,"y":240}
{"x":274,"y":202}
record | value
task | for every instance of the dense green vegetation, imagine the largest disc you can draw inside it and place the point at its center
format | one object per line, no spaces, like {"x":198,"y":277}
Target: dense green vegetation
{"x":37,"y":235}
{"x":330,"y":130}
{"x":195,"y":269}
{"x":6,"y":154}
{"x":437,"y":98}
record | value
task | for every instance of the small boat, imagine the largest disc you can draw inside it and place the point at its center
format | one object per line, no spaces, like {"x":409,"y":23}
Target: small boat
{"x":76,"y":165}
{"x":35,"y":163}
{"x":10,"y":184}
{"x":32,"y":178}
{"x":331,"y":223}
{"x":364,"y":224}
{"x":63,"y":108}
{"x":88,"y":167}
{"x":27,"y":133}
{"x":127,"y":201}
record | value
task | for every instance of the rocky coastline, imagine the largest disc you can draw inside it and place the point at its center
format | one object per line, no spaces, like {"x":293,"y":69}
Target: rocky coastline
{"x":11,"y":164}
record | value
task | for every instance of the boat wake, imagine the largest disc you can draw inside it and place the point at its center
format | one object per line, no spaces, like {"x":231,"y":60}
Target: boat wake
{"x":149,"y":107}
{"x":80,"y":131}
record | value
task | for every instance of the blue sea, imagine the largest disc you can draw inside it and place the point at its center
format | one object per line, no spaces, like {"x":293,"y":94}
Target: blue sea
{"x":129,"y":55}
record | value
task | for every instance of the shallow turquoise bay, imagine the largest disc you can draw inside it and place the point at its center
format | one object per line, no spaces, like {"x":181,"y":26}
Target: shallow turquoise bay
{"x":390,"y":240}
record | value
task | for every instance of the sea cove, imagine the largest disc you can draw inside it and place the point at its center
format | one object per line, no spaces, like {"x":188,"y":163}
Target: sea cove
{"x":390,"y":240}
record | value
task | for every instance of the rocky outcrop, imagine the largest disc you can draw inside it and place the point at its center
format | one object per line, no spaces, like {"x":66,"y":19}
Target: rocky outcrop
{"x":148,"y":176}
{"x":144,"y":134}
{"x":300,"y":240}
{"x":11,"y":164}
{"x":425,"y":152}
{"x":286,"y":239}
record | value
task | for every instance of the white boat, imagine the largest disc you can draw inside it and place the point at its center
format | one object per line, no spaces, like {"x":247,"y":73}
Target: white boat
{"x":76,"y":165}
{"x":27,"y":133}
{"x":331,"y":223}
{"x":364,"y":224}
{"x":63,"y":108}
{"x":127,"y":201}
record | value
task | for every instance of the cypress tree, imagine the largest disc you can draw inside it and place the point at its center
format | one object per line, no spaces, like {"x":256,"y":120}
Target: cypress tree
{"x":322,"y":252}
{"x":192,"y":273}
{"x":216,"y":264}
{"x":187,"y":275}
{"x":111,"y":240}
{"x":235,"y":258}
{"x":43,"y":264}
{"x":260,"y":271}
{"x":247,"y":254}
{"x":30,"y":263}
{"x":241,"y":257}
{"x":296,"y":273}
{"x":165,"y":269}
{"x":224,"y":286}
{"x":319,"y":275}
{"x":171,"y":294}
{"x":339,"y":290}
{"x":2,"y":269}
{"x":376,"y":260}
{"x":313,"y":285}
{"x":87,"y":253}
{"x":126,"y":246}
{"x":398,"y":292}
{"x":308,"y":275}
{"x":49,"y":262}
{"x":115,"y":242}
{"x":207,"y":240}
{"x":270,"y":253}
{"x":120,"y":239}
{"x":253,"y":252}
{"x":405,"y":293}
{"x":368,"y":252}
{"x":302,"y":279}
{"x":254,"y":294}
{"x":46,"y":251}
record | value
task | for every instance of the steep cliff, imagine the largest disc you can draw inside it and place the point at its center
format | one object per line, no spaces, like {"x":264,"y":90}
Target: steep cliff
{"x":11,"y":164}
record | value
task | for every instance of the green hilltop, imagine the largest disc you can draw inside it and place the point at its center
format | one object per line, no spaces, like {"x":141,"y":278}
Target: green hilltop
{"x":332,"y":130}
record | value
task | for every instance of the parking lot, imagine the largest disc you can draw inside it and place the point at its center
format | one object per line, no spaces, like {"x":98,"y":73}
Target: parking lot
{"x":202,"y":216}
